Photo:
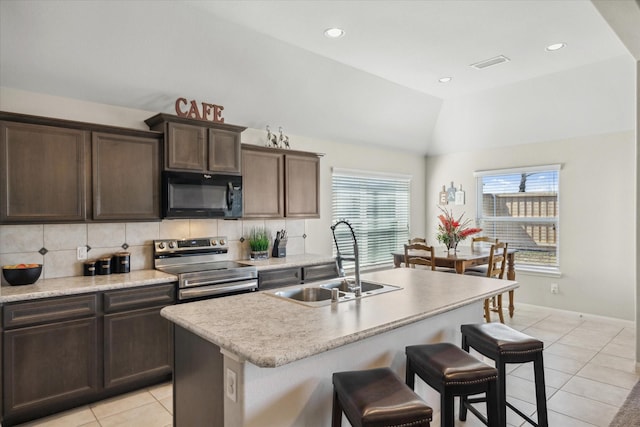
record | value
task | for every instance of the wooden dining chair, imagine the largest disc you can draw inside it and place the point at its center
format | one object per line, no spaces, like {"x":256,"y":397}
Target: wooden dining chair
{"x":411,"y":260}
{"x":496,"y":268}
{"x":482,"y":239}
{"x":417,"y":240}
{"x":476,"y":243}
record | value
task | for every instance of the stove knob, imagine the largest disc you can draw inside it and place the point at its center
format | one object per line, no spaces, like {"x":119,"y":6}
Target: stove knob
{"x":213,"y":242}
{"x":161,"y":245}
{"x":172,"y":245}
{"x":222,"y":242}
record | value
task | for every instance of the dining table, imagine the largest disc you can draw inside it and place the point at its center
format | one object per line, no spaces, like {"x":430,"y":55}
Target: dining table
{"x":461,"y":259}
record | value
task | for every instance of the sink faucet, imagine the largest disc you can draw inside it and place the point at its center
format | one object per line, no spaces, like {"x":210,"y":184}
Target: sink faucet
{"x":356,"y":288}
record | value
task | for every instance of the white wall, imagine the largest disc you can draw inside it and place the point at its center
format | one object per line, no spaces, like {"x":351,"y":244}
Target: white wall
{"x":590,"y":100}
{"x":336,"y":154}
{"x":342,"y":155}
{"x":597,"y":217}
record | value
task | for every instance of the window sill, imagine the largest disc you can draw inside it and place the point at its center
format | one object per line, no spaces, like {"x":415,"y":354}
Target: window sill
{"x":539,"y":271}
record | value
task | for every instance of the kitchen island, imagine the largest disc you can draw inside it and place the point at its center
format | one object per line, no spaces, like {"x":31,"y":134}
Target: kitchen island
{"x":259,"y":360}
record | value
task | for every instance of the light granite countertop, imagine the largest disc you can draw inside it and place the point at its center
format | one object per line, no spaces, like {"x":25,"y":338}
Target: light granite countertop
{"x":269,"y":331}
{"x":63,"y":286}
{"x":289,"y":261}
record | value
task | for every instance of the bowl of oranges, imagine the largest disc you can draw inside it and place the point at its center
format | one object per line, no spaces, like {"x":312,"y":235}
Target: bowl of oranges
{"x":21,"y":274}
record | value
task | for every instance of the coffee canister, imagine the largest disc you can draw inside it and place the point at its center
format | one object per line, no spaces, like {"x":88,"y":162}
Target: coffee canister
{"x":89,"y":268}
{"x":121,"y":262}
{"x":103,"y":266}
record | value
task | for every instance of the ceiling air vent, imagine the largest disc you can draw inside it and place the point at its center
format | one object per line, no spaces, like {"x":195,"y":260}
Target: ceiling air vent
{"x":490,"y":62}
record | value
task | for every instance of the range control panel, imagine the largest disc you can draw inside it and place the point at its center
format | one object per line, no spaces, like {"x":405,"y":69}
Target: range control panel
{"x":216,"y":244}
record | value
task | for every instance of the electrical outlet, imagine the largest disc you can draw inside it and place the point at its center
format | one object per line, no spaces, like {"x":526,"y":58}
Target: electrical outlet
{"x":81,"y":253}
{"x":554,"y":288}
{"x":231,"y":385}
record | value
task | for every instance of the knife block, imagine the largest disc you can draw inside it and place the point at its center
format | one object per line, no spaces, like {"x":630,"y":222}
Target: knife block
{"x":279,"y":248}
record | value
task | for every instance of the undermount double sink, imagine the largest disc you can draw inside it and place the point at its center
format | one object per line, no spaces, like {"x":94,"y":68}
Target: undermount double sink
{"x":319,"y":294}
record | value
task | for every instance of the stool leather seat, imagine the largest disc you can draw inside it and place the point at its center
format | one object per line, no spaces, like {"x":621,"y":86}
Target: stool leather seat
{"x":497,"y":337}
{"x":445,"y":363}
{"x":505,"y":345}
{"x":377,"y":398}
{"x":453,"y":372}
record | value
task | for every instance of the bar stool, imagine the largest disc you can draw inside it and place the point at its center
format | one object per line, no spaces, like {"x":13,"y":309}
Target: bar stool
{"x":376,"y":398}
{"x":506,"y":345}
{"x":453,"y":372}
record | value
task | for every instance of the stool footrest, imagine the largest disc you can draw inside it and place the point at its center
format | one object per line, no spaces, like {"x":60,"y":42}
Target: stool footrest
{"x":519,"y":412}
{"x":476,"y":412}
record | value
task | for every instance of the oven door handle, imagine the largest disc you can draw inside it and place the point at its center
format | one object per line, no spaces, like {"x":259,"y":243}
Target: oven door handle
{"x":218,"y":289}
{"x":186,"y":283}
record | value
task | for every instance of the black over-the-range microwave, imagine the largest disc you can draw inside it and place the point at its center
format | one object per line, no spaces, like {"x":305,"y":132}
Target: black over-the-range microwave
{"x":199,"y":195}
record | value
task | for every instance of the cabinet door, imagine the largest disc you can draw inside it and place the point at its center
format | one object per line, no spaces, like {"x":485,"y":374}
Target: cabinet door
{"x":49,"y":365}
{"x":185,"y":147}
{"x":224,"y":151}
{"x":279,"y":278}
{"x":262,"y":179}
{"x":302,"y":186}
{"x":126,"y":177}
{"x":319,"y":272}
{"x":43,"y":173}
{"x":137,"y":347}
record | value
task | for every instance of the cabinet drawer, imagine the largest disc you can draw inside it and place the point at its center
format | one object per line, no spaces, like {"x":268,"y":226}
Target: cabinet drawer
{"x":320,"y":272}
{"x":279,"y":278}
{"x":139,"y":297}
{"x":49,"y":310}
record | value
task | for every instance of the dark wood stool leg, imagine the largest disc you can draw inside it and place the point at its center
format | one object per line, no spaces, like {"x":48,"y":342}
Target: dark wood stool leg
{"x":463,"y":408}
{"x":463,"y":399}
{"x":336,"y":412}
{"x":410,"y":376}
{"x":502,"y":393}
{"x":492,"y":404}
{"x":541,"y":395}
{"x":447,"y":415}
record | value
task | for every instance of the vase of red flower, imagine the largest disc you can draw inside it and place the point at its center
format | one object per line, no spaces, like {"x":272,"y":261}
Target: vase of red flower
{"x":451,"y":231}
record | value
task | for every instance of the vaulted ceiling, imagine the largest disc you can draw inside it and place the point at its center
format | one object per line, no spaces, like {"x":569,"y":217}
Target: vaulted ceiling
{"x":268,"y":62}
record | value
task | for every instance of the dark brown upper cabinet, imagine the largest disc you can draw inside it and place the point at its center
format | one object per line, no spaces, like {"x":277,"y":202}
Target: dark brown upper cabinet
{"x":44,"y":173}
{"x":280,"y":183}
{"x":55,"y":170}
{"x":126,"y":177}
{"x":198,"y":145}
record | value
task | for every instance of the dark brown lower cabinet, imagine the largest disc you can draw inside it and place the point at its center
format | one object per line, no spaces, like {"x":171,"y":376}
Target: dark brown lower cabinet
{"x":48,"y":367}
{"x":137,"y":347}
{"x":59,"y":353}
{"x":319,"y":272}
{"x":281,"y":277}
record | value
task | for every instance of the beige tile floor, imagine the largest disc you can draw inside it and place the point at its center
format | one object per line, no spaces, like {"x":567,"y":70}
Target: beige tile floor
{"x":589,"y":371}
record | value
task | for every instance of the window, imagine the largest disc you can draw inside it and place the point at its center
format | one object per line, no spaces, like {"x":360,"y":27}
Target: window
{"x":377,"y":207}
{"x":520,"y":207}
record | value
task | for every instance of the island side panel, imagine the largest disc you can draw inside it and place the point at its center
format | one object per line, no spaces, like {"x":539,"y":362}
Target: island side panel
{"x":197,"y":381}
{"x":300,"y":393}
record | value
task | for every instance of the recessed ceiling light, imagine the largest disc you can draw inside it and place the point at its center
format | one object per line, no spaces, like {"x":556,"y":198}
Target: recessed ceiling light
{"x":555,"y":46}
{"x":445,"y":79}
{"x":334,"y":33}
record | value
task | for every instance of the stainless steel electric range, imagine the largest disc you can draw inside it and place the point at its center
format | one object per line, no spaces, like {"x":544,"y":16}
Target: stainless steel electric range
{"x":202,"y":268}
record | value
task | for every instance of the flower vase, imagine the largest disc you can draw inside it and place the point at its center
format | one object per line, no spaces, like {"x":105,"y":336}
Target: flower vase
{"x":452,"y":247}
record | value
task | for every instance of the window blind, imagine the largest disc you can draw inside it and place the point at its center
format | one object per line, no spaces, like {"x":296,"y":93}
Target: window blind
{"x":377,"y":207}
{"x":521,"y":207}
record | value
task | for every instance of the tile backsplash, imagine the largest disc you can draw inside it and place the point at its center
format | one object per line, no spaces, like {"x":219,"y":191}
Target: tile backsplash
{"x":55,"y":245}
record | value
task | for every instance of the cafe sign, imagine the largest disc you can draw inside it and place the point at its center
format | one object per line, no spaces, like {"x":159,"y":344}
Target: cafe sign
{"x":203,"y":111}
